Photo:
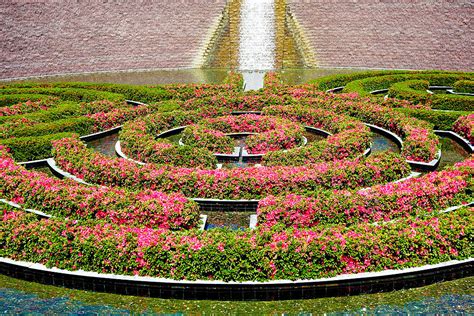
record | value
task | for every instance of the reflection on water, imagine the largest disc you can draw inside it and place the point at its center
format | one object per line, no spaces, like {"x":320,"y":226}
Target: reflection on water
{"x":451,"y":152}
{"x":382,"y":143}
{"x":104,"y":145}
{"x":300,"y":76}
{"x":289,"y":76}
{"x":17,"y":302}
{"x":444,"y":305}
{"x":232,"y":220}
{"x":145,"y":77}
{"x":17,"y":296}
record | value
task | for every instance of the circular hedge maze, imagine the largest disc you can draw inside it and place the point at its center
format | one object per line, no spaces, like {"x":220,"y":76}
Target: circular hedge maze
{"x":297,"y":158}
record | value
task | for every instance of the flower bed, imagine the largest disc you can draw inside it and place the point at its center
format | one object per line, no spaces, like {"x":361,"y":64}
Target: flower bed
{"x":70,"y":199}
{"x":314,"y":219}
{"x":464,"y":86}
{"x":27,"y":107}
{"x":464,"y":126}
{"x":215,"y":141}
{"x":425,"y":144}
{"x":272,"y":133}
{"x":420,"y":143}
{"x":413,"y":197}
{"x":138,"y":139}
{"x":264,"y":254}
{"x":248,"y":183}
{"x":351,"y":137}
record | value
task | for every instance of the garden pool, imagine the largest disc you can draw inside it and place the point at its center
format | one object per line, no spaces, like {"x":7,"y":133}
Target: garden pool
{"x":17,"y":296}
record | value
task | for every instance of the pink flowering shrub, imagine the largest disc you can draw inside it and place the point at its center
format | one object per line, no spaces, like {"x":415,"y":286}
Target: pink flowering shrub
{"x":70,"y":199}
{"x":262,"y":254}
{"x":286,"y":136}
{"x":233,"y":83}
{"x":424,"y":145}
{"x":417,"y":196}
{"x":464,"y":126}
{"x":351,"y":137}
{"x":27,"y":107}
{"x":247,"y":183}
{"x":272,"y":81}
{"x":138,"y":139}
{"x":272,"y":133}
{"x":420,"y":142}
{"x":215,"y":141}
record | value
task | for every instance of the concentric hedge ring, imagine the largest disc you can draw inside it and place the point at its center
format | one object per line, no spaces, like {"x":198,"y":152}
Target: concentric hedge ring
{"x":265,"y":133}
{"x":324,"y":209}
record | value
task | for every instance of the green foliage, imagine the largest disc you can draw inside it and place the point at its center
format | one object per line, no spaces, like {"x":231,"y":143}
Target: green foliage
{"x":108,"y":90}
{"x":235,"y":79}
{"x":333,"y":81}
{"x":452,"y":102}
{"x":366,"y":85}
{"x":60,"y":111}
{"x":411,"y":90}
{"x":464,"y":86}
{"x":67,"y":94}
{"x":32,"y":148}
{"x":443,"y":120}
{"x":415,"y":91}
{"x":81,"y":125}
{"x":11,"y":99}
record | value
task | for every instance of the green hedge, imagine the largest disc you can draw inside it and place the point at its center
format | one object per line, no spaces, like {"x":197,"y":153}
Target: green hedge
{"x":67,"y":109}
{"x":464,"y":86}
{"x":11,"y":99}
{"x":440,"y":119}
{"x":415,"y":91}
{"x":136,"y":93}
{"x":67,"y":94}
{"x":452,"y":102}
{"x":366,"y":85}
{"x":32,"y":148}
{"x":411,"y":90}
{"x":333,"y":81}
{"x":79,"y":125}
{"x":60,"y":111}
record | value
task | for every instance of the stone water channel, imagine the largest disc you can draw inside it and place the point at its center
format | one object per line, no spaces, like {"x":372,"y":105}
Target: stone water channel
{"x":21,"y":297}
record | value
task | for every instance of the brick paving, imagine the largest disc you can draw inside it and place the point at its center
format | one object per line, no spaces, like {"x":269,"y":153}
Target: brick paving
{"x":406,"y":34}
{"x":50,"y":36}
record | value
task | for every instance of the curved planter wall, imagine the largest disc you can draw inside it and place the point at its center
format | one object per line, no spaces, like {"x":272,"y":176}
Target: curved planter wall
{"x":342,"y":285}
{"x":430,"y":166}
{"x":458,"y":138}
